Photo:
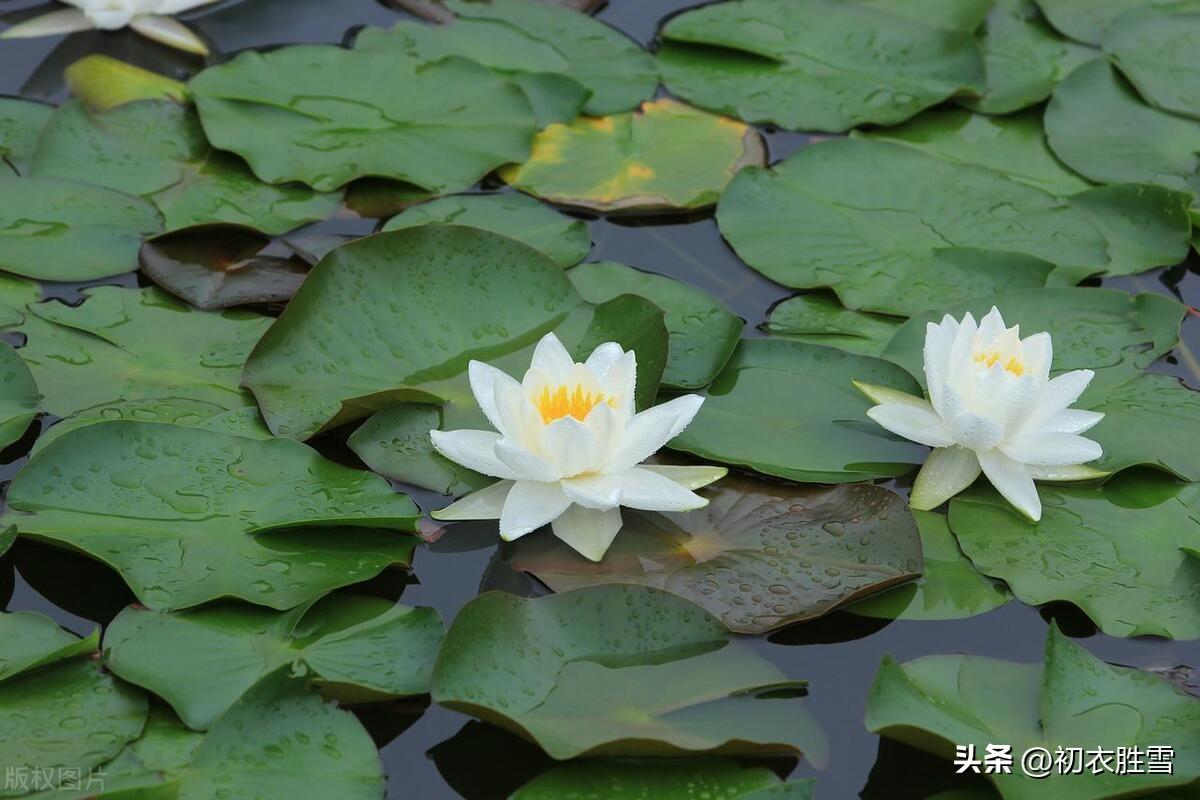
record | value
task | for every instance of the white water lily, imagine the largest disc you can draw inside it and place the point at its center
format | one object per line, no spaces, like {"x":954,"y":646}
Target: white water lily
{"x":150,"y":18}
{"x":569,"y":448}
{"x":992,"y":408}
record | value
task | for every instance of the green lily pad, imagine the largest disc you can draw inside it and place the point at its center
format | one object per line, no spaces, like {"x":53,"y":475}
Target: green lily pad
{"x":366,"y":647}
{"x":951,"y":15}
{"x":32,"y":640}
{"x":103,"y":83}
{"x":758,"y":556}
{"x":527,"y":39}
{"x":897,"y":231}
{"x":15,"y":294}
{"x":621,"y":671}
{"x":182,"y":513}
{"x":69,"y":716}
{"x":703,"y":331}
{"x":1155,"y":47}
{"x":336,"y":354}
{"x":517,"y":216}
{"x":57,"y":230}
{"x":1151,"y":420}
{"x":824,"y":65}
{"x":19,"y":396}
{"x":661,"y":780}
{"x":20,"y":123}
{"x":789,"y":409}
{"x":130,"y":345}
{"x":949,"y":586}
{"x":156,"y":149}
{"x":1100,"y":128}
{"x":665,"y":155}
{"x":324,"y":115}
{"x":1073,"y":699}
{"x":817,"y":318}
{"x":7,"y":537}
{"x":1114,"y":552}
{"x":1024,"y":58}
{"x":1086,"y":20}
{"x":1106,"y":330}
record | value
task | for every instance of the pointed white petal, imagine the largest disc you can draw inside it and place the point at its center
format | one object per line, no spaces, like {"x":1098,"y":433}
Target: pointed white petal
{"x":991,"y":326}
{"x":529,"y":506}
{"x":486,"y":381}
{"x":55,"y":23}
{"x":169,"y":31}
{"x":946,"y":472}
{"x":570,"y":445}
{"x":938,"y":340}
{"x":486,"y":503}
{"x":1073,"y":420}
{"x":551,"y":358}
{"x":595,"y":490}
{"x":1039,"y":353}
{"x":975,"y":432}
{"x":649,"y":430}
{"x":619,"y":382}
{"x":649,"y":491}
{"x":588,"y":531}
{"x":473,"y":449}
{"x":525,"y":465}
{"x":917,"y":422}
{"x":603,"y":357}
{"x":1059,"y":394}
{"x":692,"y":477}
{"x":1068,"y":473}
{"x":1052,"y":449}
{"x":519,"y":418}
{"x":886,"y":394}
{"x":1013,"y":480}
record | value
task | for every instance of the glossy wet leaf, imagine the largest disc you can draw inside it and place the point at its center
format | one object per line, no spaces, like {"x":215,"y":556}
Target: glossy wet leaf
{"x":517,"y":216}
{"x":949,"y":586}
{"x":1150,"y":420}
{"x":894,"y":230}
{"x":187,"y":515}
{"x":1106,"y":330}
{"x":20,"y":123}
{"x":665,"y":155}
{"x":359,"y":647}
{"x":32,"y":640}
{"x":824,"y":65}
{"x":1155,"y":47}
{"x":131,"y":345}
{"x":1100,"y":128}
{"x":817,"y":318}
{"x":618,"y":670}
{"x":1072,"y":699}
{"x":58,"y":230}
{"x":325,"y":115}
{"x":218,"y":266}
{"x":19,"y":396}
{"x":703,"y":331}
{"x":1086,"y":20}
{"x":103,"y":83}
{"x":72,"y":715}
{"x":789,"y":409}
{"x":1114,"y":552}
{"x":759,"y":556}
{"x":157,"y":149}
{"x":337,"y":353}
{"x":528,"y":39}
{"x":663,"y":780}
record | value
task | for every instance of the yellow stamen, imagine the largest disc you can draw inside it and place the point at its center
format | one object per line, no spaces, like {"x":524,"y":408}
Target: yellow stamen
{"x":989,"y":359}
{"x":562,"y":403}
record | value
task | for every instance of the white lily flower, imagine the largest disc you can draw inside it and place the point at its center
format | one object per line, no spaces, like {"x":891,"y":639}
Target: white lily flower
{"x":993,"y":408}
{"x":569,"y":448}
{"x":150,"y":18}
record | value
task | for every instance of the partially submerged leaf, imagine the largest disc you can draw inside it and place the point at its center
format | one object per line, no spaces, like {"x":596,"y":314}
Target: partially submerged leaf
{"x":758,"y":556}
{"x":817,"y":318}
{"x":665,"y":155}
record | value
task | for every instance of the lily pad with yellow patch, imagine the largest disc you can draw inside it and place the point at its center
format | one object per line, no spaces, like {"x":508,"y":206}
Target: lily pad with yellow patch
{"x":664,"y":156}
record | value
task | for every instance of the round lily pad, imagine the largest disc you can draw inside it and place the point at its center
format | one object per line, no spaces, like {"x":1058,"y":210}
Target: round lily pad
{"x":20,"y":123}
{"x":1155,"y":47}
{"x":1086,"y":20}
{"x":758,"y":556}
{"x":666,"y":155}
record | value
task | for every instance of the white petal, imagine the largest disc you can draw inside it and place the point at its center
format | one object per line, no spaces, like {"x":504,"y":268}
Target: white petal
{"x":486,"y":381}
{"x":486,"y":503}
{"x":519,"y":418}
{"x":946,"y":472}
{"x":54,"y":23}
{"x":886,"y":394}
{"x":595,"y":490}
{"x":588,"y":531}
{"x":525,"y":465}
{"x":171,"y":32}
{"x":1013,"y":480}
{"x":975,"y":431}
{"x":692,"y":477}
{"x":1068,"y":473}
{"x":570,"y":445}
{"x":551,"y":358}
{"x":917,"y":422}
{"x":529,"y":506}
{"x":649,"y":491}
{"x":1039,"y":353}
{"x":603,"y":357}
{"x":991,"y":326}
{"x":959,"y":365}
{"x":606,"y":426}
{"x":938,"y":340}
{"x":618,"y":384}
{"x":1059,"y":394}
{"x":1073,"y":420}
{"x":473,"y":449}
{"x":1052,"y":449}
{"x":649,"y":430}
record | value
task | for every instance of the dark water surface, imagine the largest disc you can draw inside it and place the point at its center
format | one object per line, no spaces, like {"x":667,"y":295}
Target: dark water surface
{"x":439,"y":754}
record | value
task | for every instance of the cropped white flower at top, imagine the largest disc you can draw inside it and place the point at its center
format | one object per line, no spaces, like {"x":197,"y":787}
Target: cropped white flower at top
{"x":569,"y":447}
{"x":151,"y":18}
{"x":992,"y":408}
